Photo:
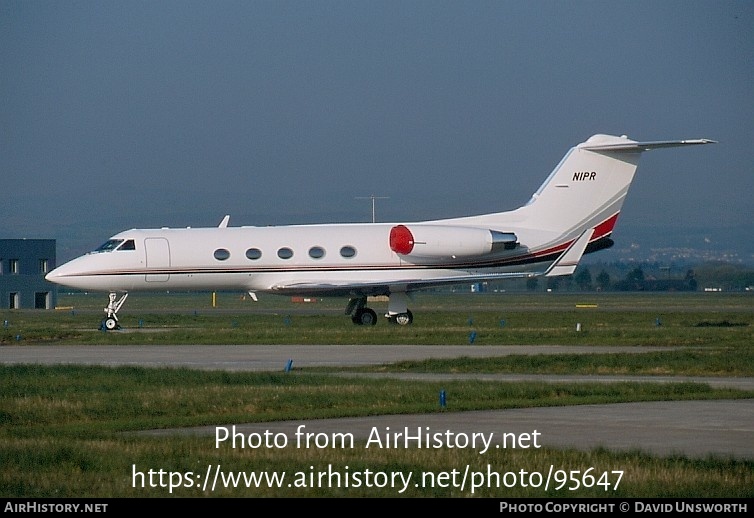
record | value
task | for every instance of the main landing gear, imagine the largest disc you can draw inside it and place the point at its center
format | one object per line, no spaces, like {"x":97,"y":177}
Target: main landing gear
{"x":110,"y":322}
{"x":402,"y":319}
{"x":397,"y":313}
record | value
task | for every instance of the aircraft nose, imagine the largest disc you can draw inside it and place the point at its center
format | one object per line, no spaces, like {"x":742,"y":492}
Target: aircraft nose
{"x":57,"y":275}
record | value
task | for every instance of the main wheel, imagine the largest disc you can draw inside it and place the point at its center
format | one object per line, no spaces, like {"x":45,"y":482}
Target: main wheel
{"x":402,"y":319}
{"x":365,"y":317}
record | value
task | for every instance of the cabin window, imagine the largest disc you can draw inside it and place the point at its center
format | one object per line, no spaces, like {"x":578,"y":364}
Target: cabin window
{"x":221,"y":254}
{"x":285,"y":253}
{"x":253,"y":254}
{"x":347,"y":252}
{"x":316,"y":252}
{"x":44,"y":266}
{"x":13,"y":266}
{"x":128,"y":245}
{"x":109,"y":245}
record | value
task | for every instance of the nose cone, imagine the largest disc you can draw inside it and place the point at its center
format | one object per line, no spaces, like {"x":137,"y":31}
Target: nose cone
{"x":54,"y":276}
{"x":69,"y":274}
{"x":94,"y":272}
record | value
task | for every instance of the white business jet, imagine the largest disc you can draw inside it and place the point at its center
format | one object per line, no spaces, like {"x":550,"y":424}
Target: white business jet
{"x":572,"y":213}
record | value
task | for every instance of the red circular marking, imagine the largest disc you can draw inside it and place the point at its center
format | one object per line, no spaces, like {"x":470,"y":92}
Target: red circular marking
{"x":401,"y":240}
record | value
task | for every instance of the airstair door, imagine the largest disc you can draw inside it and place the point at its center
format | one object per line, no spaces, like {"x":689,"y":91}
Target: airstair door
{"x":158,"y":259}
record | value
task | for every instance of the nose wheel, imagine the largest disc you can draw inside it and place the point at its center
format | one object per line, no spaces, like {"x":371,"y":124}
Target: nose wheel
{"x":110,"y":324}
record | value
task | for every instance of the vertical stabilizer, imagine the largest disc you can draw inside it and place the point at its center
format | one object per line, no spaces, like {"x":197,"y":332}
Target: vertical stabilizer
{"x":587,"y":189}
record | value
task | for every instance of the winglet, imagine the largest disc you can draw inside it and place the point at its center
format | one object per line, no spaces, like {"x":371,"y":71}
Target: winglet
{"x":224,"y":222}
{"x":568,"y":261}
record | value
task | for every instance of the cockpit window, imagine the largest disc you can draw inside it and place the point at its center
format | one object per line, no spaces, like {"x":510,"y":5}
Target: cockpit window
{"x":109,"y":245}
{"x":128,"y":245}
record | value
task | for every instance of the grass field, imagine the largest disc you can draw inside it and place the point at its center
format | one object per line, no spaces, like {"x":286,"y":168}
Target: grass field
{"x":689,"y":319}
{"x":68,"y":431}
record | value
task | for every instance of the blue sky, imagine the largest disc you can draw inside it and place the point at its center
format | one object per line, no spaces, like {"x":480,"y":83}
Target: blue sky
{"x":121,"y":114}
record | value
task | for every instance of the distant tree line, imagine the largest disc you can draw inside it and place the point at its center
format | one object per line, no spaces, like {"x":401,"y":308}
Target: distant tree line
{"x":624,"y":277}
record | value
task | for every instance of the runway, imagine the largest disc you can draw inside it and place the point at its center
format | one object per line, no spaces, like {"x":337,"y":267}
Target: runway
{"x":273,"y":357}
{"x":692,"y":428}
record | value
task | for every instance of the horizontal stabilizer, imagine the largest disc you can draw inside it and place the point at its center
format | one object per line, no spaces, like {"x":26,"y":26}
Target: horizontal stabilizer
{"x":632,"y":146}
{"x":568,"y":261}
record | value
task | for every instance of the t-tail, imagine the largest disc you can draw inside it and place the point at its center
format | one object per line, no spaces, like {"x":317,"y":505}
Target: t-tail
{"x":586,"y":190}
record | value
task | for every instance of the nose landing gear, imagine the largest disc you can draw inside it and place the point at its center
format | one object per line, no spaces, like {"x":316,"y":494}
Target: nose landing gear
{"x":110,"y":322}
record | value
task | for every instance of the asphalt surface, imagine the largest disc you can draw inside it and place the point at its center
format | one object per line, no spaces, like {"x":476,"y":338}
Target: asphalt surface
{"x":699,"y":429}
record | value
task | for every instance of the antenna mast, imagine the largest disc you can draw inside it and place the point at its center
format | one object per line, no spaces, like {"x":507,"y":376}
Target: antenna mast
{"x":372,"y":197}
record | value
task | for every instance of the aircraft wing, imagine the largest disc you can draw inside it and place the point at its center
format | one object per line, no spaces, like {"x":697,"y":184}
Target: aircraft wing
{"x":564,"y":265}
{"x":350,"y":288}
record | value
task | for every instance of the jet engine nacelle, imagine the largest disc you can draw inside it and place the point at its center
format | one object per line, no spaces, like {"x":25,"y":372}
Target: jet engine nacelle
{"x":447,"y":241}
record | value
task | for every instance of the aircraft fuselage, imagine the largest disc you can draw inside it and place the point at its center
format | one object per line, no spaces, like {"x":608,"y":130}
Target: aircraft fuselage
{"x":573,"y":212}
